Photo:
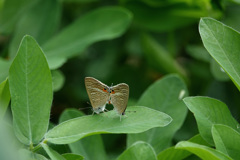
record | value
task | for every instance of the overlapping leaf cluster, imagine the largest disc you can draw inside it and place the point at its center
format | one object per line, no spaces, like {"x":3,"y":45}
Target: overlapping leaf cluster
{"x":158,"y":123}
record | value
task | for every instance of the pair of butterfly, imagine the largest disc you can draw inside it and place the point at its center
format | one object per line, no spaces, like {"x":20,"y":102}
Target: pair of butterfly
{"x":100,"y":94}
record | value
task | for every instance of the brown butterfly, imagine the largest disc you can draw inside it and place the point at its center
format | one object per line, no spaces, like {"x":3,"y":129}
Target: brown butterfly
{"x":100,"y":94}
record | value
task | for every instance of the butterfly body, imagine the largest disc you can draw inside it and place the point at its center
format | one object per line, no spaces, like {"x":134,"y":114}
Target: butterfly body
{"x":101,"y":94}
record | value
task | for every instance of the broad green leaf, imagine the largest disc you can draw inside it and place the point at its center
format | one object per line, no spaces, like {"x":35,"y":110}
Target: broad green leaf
{"x":202,"y":151}
{"x":4,"y":97}
{"x":175,"y":154}
{"x":30,"y":86}
{"x":226,"y":140}
{"x":85,"y":31}
{"x":51,"y":153}
{"x":218,"y":72}
{"x":143,"y":119}
{"x":71,"y":156}
{"x":163,"y":95}
{"x":159,"y":58}
{"x":209,"y":111}
{"x":35,"y":22}
{"x":85,"y":146}
{"x":139,"y":151}
{"x":4,"y":68}
{"x":28,"y":155}
{"x":11,"y":12}
{"x":222,"y":42}
{"x":58,"y":80}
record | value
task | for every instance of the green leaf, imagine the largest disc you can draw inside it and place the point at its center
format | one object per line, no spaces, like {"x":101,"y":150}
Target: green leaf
{"x":36,"y":21}
{"x":77,"y":128}
{"x":85,"y":31}
{"x":175,"y":154}
{"x":218,"y":72}
{"x":159,"y":58}
{"x":172,"y":153}
{"x":156,"y":3}
{"x":208,"y":112}
{"x":175,"y":16}
{"x":51,"y":153}
{"x":4,"y":68}
{"x":222,"y":42}
{"x":11,"y":12}
{"x":232,"y":11}
{"x":71,"y":156}
{"x":139,"y":151}
{"x":226,"y":140}
{"x":163,"y":95}
{"x":4,"y":98}
{"x":58,"y":80}
{"x":30,"y":85}
{"x":198,"y":52}
{"x":84,"y":146}
{"x":79,"y":1}
{"x":8,"y":148}
{"x":202,"y":151}
{"x":28,"y":155}
{"x":70,"y":113}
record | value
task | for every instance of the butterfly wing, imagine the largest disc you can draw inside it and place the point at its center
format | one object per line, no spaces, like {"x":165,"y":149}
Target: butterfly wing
{"x":119,"y":97}
{"x":97,"y":93}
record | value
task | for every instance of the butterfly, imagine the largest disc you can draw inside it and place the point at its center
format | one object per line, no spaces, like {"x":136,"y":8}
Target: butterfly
{"x":100,"y":94}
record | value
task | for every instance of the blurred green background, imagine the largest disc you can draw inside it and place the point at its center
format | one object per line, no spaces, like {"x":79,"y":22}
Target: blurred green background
{"x":132,"y":41}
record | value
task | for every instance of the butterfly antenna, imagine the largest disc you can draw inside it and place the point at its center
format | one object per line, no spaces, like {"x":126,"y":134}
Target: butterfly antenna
{"x":84,"y":108}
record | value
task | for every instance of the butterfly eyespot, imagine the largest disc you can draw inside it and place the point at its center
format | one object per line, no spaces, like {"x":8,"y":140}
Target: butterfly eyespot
{"x":104,"y":89}
{"x":113,"y":91}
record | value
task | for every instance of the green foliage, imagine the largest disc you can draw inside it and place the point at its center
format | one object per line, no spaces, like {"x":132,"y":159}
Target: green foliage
{"x":37,"y":22}
{"x":208,"y":112}
{"x":173,"y":153}
{"x":202,"y":151}
{"x":155,"y":96}
{"x":222,"y":42}
{"x":84,"y":146}
{"x":30,"y":86}
{"x":139,"y":150}
{"x":77,"y":128}
{"x":26,"y":154}
{"x":48,"y":47}
{"x":85,"y":31}
{"x":226,"y":140}
{"x":51,"y":153}
{"x":4,"y":98}
{"x":159,"y":58}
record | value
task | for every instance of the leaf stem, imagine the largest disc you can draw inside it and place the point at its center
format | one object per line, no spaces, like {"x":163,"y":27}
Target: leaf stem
{"x":39,"y":146}
{"x":35,"y":149}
